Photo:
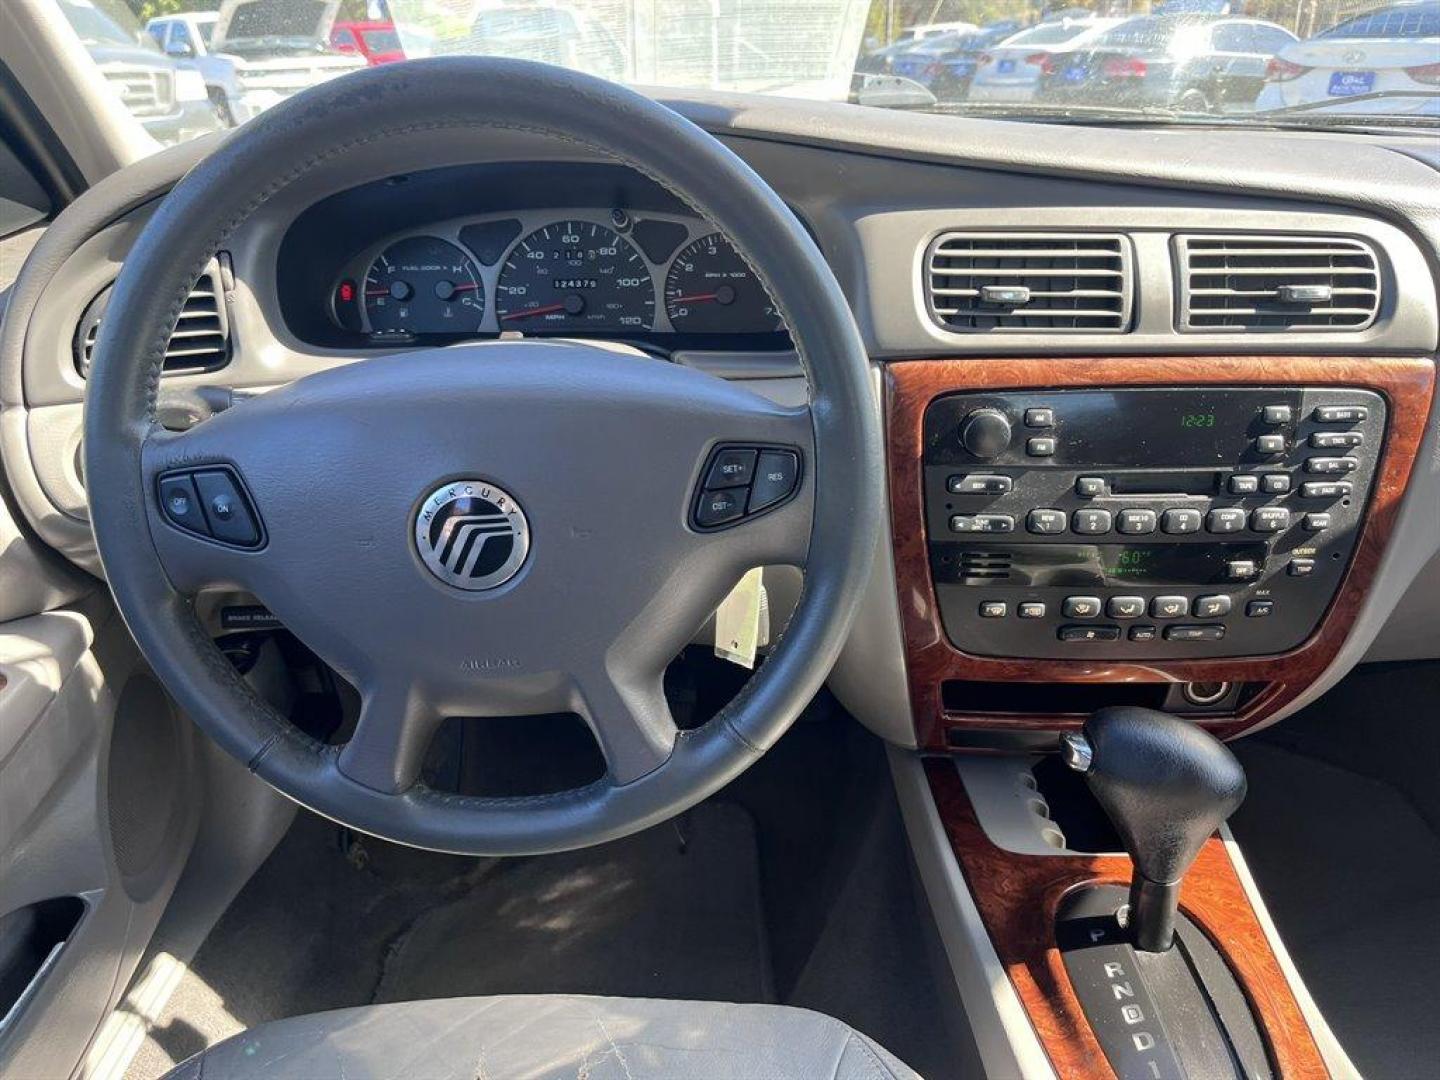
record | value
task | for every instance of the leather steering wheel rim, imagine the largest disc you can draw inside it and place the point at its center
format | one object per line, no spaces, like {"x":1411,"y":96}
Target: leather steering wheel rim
{"x":146,"y":561}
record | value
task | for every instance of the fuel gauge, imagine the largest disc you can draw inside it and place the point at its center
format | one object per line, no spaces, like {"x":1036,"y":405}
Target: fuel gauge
{"x":424,"y":285}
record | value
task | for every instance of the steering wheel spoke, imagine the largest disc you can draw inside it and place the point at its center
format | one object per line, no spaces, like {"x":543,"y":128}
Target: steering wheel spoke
{"x":624,"y":704}
{"x":396,"y":725}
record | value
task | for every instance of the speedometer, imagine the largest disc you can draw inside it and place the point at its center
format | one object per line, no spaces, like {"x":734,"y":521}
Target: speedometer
{"x":575,"y":275}
{"x":424,"y":285}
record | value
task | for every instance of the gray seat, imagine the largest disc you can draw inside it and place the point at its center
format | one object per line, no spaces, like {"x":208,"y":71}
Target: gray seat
{"x":550,"y":1038}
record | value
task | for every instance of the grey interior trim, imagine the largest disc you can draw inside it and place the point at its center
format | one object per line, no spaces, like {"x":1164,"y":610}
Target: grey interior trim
{"x":1003,"y":1033}
{"x":869,"y":677}
{"x":1012,"y":812}
{"x":1336,"y":1060}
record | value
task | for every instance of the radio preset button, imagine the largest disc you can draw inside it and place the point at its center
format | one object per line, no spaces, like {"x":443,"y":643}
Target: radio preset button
{"x":1080,"y":607}
{"x":1137,"y":522}
{"x":994,"y":609}
{"x":1337,"y":440}
{"x":1090,"y":487}
{"x":1091,"y":522}
{"x":982,"y":523}
{"x":1046,"y":522}
{"x":1031,"y":609}
{"x":1039,"y":418}
{"x":1259,"y":609}
{"x":1170,"y":607}
{"x":1270,"y":444}
{"x":1340,"y":414}
{"x":1195,"y":633}
{"x":1211,"y":607}
{"x":1125,"y":607}
{"x":1331,"y":466}
{"x":1040,"y":446}
{"x":1270,"y":519}
{"x":1178,"y":522}
{"x":1278,"y":414}
{"x":1275,"y":483}
{"x":1324,"y":489}
{"x":1089,"y":633}
{"x":1244,"y":484}
{"x":979,"y":484}
{"x":1227,"y":519}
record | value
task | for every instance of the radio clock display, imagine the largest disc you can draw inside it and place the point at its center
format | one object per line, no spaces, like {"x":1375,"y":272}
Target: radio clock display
{"x":1197,"y":420}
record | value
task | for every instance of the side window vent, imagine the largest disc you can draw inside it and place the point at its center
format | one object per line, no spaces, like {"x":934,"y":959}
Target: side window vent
{"x":1029,"y":282}
{"x":199,"y":342}
{"x":1265,"y":283}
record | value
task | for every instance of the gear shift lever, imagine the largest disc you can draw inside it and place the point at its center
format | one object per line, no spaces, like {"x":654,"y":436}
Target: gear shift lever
{"x":1166,"y":785}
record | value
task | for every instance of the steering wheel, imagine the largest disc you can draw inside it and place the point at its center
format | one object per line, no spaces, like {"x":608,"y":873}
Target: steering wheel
{"x":506,"y":528}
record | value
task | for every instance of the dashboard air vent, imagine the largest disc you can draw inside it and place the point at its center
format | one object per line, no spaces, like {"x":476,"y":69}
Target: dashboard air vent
{"x":199,"y":342}
{"x":1260,"y":282}
{"x":1029,"y":282}
{"x":977,"y":566}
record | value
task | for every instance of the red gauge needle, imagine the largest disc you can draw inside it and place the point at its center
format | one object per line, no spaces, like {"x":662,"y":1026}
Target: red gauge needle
{"x":547,"y":310}
{"x":464,"y":288}
{"x":698,"y":298}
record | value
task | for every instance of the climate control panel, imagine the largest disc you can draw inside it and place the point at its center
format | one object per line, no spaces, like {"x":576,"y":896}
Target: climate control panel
{"x":1178,"y":522}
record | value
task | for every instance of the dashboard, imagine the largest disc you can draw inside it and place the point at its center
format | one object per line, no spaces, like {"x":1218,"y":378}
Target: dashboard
{"x":587,"y":250}
{"x":430,"y":244}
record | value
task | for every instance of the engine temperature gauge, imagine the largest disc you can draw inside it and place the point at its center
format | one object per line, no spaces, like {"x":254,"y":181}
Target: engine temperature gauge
{"x":424,"y":285}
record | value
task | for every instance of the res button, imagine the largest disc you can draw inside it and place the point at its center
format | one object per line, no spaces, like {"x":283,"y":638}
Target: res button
{"x":775,"y":478}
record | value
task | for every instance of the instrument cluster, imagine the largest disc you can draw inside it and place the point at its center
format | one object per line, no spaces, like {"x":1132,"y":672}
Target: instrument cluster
{"x":594,"y":272}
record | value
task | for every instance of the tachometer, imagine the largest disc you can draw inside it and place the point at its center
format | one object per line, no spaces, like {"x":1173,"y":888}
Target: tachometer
{"x":710,"y":290}
{"x":575,"y":275}
{"x":424,"y":285}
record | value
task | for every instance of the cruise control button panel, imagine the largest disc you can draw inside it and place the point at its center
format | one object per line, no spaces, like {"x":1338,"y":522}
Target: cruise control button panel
{"x":739,"y":482}
{"x":1164,"y":512}
{"x":210,"y":502}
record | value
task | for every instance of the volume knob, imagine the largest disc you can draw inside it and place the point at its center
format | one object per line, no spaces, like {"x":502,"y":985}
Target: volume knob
{"x":985,"y":433}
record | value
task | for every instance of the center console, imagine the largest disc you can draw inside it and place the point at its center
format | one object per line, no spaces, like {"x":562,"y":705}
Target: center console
{"x":1194,"y":534}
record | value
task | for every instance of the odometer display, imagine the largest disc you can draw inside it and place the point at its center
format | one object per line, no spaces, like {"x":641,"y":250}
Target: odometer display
{"x":424,"y":285}
{"x":575,"y":275}
{"x":710,"y":290}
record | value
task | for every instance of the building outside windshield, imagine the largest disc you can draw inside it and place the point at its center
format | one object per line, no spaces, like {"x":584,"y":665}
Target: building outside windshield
{"x":186,"y":67}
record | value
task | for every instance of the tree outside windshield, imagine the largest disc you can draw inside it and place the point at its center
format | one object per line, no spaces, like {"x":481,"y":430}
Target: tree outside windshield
{"x":183,"y":67}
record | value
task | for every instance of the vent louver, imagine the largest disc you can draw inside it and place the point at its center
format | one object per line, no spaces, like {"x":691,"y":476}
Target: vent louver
{"x":977,"y":566}
{"x":199,"y":342}
{"x":1035,"y":282}
{"x":1260,"y":282}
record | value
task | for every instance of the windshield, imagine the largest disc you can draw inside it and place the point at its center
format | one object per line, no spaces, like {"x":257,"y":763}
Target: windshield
{"x":1350,"y":65}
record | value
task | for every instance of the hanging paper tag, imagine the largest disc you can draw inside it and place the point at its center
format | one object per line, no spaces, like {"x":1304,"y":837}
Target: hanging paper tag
{"x":742,"y":620}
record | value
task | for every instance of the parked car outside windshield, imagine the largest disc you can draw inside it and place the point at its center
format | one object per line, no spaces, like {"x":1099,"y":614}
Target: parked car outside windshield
{"x":1353,"y":65}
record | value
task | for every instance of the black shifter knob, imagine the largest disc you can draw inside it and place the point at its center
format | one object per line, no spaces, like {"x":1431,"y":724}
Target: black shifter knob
{"x":1166,"y":785}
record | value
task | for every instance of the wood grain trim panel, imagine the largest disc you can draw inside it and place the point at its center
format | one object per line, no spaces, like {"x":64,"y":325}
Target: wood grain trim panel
{"x":1018,"y":896}
{"x":1407,"y":383}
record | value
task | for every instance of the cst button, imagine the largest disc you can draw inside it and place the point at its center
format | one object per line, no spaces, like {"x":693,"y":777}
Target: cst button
{"x":719,"y":507}
{"x":775,"y":478}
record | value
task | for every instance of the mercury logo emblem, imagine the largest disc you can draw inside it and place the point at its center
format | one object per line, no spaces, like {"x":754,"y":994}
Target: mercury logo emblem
{"x":472,"y":534}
